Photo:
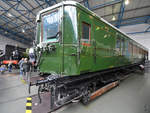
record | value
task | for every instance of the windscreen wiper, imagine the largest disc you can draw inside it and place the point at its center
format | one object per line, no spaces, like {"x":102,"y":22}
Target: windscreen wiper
{"x":51,"y":37}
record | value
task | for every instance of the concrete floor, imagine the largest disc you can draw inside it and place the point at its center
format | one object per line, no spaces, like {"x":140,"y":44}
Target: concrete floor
{"x":131,"y":96}
{"x":13,"y":93}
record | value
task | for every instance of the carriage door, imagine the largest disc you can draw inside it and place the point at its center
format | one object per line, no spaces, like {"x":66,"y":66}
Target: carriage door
{"x":85,"y":47}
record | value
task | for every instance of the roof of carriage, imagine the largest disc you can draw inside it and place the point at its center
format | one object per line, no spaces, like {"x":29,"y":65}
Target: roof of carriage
{"x":18,"y":17}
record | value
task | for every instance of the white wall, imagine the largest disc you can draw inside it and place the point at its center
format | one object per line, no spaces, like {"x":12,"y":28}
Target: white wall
{"x":4,"y":41}
{"x":142,"y":38}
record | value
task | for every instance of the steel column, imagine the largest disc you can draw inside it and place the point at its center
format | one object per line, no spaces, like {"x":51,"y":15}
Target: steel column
{"x":105,"y":4}
{"x":120,"y":16}
{"x":147,"y":29}
{"x":9,"y":4}
{"x":138,"y":32}
{"x":39,"y":4}
{"x":86,"y":3}
{"x":134,"y":21}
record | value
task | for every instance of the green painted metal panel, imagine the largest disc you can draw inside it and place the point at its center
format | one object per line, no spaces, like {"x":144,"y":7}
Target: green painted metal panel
{"x":51,"y":62}
{"x":86,"y":56}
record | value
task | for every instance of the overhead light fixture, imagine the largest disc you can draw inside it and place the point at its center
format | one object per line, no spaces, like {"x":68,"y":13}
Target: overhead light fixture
{"x":113,"y":18}
{"x":9,"y":14}
{"x":23,"y":30}
{"x":127,"y":2}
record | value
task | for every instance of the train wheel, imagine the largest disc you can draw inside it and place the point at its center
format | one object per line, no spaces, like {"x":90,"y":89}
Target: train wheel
{"x":86,"y":97}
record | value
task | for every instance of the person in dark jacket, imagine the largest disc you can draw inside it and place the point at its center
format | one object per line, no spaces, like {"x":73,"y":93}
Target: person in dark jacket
{"x":10,"y":66}
{"x":26,"y":65}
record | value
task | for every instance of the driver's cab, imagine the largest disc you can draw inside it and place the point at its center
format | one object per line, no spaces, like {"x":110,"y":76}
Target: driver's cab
{"x":49,"y":26}
{"x":57,"y":38}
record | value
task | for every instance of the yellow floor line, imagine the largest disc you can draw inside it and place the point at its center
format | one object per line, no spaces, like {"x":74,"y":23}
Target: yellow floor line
{"x":23,"y":81}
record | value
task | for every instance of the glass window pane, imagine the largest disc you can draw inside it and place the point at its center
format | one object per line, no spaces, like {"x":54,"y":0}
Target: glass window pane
{"x":50,"y":26}
{"x":85,"y":31}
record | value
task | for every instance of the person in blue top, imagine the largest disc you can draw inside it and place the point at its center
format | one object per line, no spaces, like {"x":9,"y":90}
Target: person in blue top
{"x":2,"y":69}
{"x":21,"y":67}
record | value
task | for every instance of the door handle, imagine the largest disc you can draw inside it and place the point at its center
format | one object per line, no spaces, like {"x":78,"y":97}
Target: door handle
{"x":73,"y":54}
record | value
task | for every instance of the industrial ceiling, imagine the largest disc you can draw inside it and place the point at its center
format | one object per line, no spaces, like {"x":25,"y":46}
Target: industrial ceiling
{"x":17,"y":17}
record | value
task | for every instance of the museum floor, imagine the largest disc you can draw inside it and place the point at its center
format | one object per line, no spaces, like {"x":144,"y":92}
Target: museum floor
{"x":131,"y":96}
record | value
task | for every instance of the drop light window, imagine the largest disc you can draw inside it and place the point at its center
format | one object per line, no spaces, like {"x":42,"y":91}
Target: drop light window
{"x":86,"y":34}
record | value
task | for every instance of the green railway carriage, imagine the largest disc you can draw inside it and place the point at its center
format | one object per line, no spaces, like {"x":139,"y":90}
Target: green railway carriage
{"x":74,"y":40}
{"x":79,"y":53}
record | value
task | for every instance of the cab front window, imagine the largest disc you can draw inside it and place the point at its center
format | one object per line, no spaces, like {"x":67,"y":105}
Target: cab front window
{"x":50,"y":26}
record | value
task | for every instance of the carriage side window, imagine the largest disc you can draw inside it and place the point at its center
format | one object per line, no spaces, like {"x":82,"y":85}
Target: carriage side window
{"x":140,"y":51}
{"x":86,"y":32}
{"x":118,"y":45}
{"x":137,"y":50}
{"x":134,"y":50}
{"x":130,"y":48}
{"x":123,"y":44}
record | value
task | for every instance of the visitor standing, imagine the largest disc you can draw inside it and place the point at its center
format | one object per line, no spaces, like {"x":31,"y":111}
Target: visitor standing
{"x":21,"y":67}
